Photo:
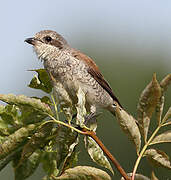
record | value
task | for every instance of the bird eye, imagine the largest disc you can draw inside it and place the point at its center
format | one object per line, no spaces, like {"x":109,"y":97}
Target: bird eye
{"x":48,"y":39}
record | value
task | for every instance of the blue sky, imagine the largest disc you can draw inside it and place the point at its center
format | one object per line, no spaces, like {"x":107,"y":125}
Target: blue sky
{"x":131,"y":26}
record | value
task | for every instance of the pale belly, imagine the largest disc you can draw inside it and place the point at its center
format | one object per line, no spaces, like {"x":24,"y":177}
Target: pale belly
{"x":72,"y":74}
{"x":95,"y":95}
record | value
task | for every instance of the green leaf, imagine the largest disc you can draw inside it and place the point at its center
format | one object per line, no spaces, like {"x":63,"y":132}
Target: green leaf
{"x":147,"y":103}
{"x":16,"y":139}
{"x":162,"y":138}
{"x":65,"y":143}
{"x":96,"y":153}
{"x":22,"y":100}
{"x":37,"y":141}
{"x":81,"y":110}
{"x":129,"y":126}
{"x":3,"y":124}
{"x":8,"y":159}
{"x":71,"y":157}
{"x":159,"y":109}
{"x":46,"y":100}
{"x":71,"y":160}
{"x":27,"y":168}
{"x":9,"y":114}
{"x":30,"y":115}
{"x":158,"y":158}
{"x":58,"y":154}
{"x":61,"y":95}
{"x":1,"y":108}
{"x":42,"y":81}
{"x":84,"y":172}
{"x":49,"y":163}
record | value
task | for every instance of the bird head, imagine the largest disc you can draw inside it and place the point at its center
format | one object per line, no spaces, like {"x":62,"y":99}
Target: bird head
{"x":46,"y":43}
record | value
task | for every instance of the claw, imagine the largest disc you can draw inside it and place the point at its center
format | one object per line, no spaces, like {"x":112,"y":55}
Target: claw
{"x":74,"y":116}
{"x":92,"y":117}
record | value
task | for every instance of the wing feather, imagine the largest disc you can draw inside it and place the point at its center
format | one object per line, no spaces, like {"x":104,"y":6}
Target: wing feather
{"x":95,"y":72}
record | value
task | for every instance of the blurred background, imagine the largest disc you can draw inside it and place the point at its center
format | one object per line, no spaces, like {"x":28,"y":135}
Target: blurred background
{"x":129,"y":41}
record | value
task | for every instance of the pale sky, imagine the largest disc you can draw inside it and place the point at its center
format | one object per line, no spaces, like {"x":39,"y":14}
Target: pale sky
{"x":108,"y":25}
{"x":101,"y":28}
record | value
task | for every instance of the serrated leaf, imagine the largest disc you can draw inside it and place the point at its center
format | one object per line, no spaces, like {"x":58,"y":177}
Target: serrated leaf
{"x":158,"y":158}
{"x":137,"y":177}
{"x":96,"y":153}
{"x":22,"y":100}
{"x":41,"y":82}
{"x":27,"y":168}
{"x":84,"y":172}
{"x":147,"y":104}
{"x":165,"y":82}
{"x":162,"y":138}
{"x":15,"y":140}
{"x":129,"y":126}
{"x":153,"y":176}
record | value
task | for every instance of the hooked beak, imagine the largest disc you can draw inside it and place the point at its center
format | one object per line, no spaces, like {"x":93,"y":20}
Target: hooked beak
{"x":30,"y":41}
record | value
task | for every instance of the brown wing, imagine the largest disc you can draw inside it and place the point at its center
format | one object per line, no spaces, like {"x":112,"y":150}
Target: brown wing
{"x":95,"y":72}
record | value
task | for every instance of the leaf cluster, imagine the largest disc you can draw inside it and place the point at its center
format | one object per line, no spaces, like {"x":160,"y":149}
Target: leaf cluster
{"x":32,"y":133}
{"x":151,"y":102}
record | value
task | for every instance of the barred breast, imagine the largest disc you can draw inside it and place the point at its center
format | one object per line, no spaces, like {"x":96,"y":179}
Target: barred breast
{"x":72,"y":74}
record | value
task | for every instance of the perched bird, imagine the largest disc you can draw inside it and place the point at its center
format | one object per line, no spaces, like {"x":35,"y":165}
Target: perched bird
{"x":69,"y":70}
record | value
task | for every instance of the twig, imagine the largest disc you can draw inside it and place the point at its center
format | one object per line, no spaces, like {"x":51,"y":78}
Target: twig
{"x":90,"y":133}
{"x":143,"y":151}
{"x":108,"y":154}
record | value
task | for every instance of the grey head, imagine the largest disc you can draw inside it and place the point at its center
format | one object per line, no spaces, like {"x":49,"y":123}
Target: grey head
{"x":46,"y":42}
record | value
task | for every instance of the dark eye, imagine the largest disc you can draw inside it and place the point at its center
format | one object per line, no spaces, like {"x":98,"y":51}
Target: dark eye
{"x":48,"y":39}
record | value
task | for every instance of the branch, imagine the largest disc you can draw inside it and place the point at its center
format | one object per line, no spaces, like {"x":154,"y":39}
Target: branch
{"x":87,"y":132}
{"x":106,"y":151}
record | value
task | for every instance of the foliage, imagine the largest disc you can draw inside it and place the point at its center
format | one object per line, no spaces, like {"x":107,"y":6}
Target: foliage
{"x":32,"y":132}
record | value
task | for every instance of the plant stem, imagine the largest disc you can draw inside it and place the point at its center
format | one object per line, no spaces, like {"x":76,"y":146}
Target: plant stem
{"x":64,"y":124}
{"x":92,"y":134}
{"x":108,"y":154}
{"x":143,"y":150}
{"x":55,"y":106}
